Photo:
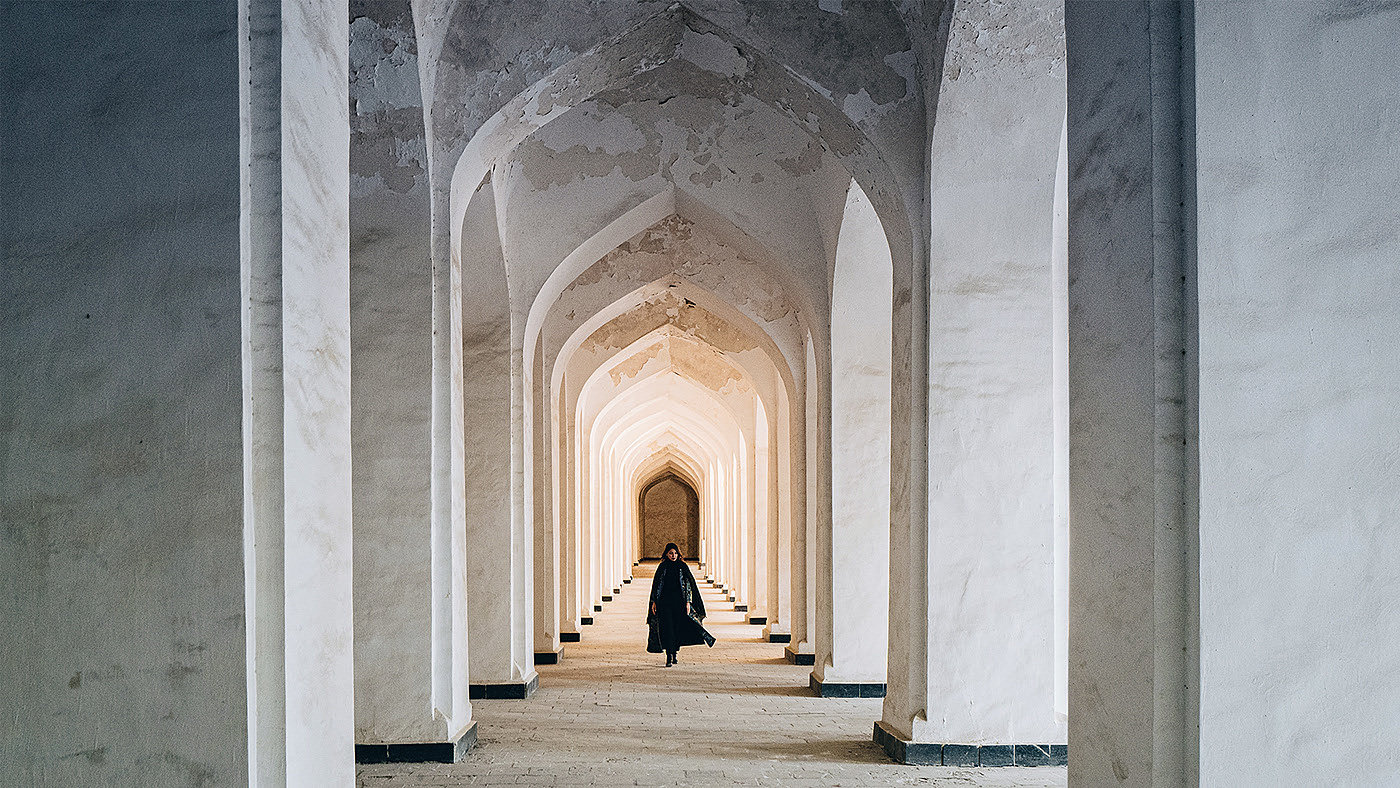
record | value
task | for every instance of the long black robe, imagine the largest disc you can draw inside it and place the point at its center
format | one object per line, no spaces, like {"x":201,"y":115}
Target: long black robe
{"x":670,"y":628}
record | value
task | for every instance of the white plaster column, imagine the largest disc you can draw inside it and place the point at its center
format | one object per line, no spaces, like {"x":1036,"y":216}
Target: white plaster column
{"x":764,"y":496}
{"x":391,"y":325}
{"x":743,"y":513}
{"x":803,"y":547}
{"x":494,"y":382}
{"x":857,"y":583}
{"x":780,"y":474}
{"x":738,"y":523}
{"x":550,"y":575}
{"x":570,"y":548}
{"x":972,"y":597}
{"x":295,"y":63}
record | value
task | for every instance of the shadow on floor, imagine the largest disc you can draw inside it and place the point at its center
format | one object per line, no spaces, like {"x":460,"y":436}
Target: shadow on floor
{"x":790,"y":691}
{"x":841,"y":751}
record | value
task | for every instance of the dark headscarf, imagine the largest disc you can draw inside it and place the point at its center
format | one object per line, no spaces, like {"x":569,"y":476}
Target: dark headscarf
{"x":669,"y":547}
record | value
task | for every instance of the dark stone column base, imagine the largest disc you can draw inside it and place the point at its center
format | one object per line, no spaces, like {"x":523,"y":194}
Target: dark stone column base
{"x":427,"y":752}
{"x":606,"y":598}
{"x":760,"y":620}
{"x":599,"y":608}
{"x":829,"y":689}
{"x":586,"y":620}
{"x":570,"y":637}
{"x":779,"y":637}
{"x":626,"y":579}
{"x":617,"y":591}
{"x":511,"y":690}
{"x":741,"y":608}
{"x":930,"y":754}
{"x":549,"y":657}
{"x":798,"y":658}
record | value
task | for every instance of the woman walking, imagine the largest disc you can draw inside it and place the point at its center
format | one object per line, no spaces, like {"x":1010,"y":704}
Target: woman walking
{"x":676,"y":608}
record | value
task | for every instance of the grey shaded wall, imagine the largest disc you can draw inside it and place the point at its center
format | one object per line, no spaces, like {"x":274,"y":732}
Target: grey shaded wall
{"x":1299,"y":261}
{"x":1131,"y":447}
{"x":122,"y":660}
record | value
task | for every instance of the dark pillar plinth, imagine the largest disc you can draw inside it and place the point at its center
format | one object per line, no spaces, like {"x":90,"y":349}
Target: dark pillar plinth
{"x":418,"y":752}
{"x":509,"y":690}
{"x":984,"y":755}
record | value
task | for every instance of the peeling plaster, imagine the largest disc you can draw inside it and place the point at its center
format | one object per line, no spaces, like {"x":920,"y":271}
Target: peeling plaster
{"x":1029,"y":36}
{"x":668,"y":309}
{"x":712,"y":53}
{"x":387,"y":140}
{"x":673,"y":247}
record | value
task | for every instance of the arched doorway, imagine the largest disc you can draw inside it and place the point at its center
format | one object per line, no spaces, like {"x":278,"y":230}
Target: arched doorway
{"x":670,"y":512}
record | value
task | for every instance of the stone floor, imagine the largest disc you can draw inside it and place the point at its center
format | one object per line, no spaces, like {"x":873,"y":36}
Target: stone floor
{"x":738,"y":714}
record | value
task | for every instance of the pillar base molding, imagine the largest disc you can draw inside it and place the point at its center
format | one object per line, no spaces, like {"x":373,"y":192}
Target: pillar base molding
{"x":598,"y":609}
{"x":759,"y":620}
{"x":509,"y":690}
{"x":626,"y":580}
{"x":779,"y":637}
{"x":570,"y":637}
{"x":845,"y":689}
{"x":606,"y":598}
{"x":585,"y":621}
{"x":418,"y":752}
{"x":550,"y":657}
{"x":617,"y":590}
{"x":741,"y":608}
{"x":796,"y":657}
{"x":983,"y":755}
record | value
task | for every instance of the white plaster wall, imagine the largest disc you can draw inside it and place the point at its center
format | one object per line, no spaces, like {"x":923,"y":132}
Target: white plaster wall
{"x":121,"y":569}
{"x":1298,"y":148}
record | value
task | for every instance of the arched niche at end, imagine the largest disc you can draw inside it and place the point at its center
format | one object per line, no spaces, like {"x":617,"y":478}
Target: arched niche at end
{"x":669,"y":510}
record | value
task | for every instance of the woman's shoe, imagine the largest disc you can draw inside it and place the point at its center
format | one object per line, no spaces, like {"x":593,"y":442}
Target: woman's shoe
{"x":670,"y":660}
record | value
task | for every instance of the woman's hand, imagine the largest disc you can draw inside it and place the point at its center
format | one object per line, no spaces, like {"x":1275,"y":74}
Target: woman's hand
{"x":653,"y":608}
{"x":687,"y":608}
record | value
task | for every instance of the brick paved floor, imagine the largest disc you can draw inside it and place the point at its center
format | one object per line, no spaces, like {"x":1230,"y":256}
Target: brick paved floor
{"x":738,"y":714}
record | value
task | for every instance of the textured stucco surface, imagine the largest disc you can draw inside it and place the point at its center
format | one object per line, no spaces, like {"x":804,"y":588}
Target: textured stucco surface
{"x":122,"y":661}
{"x":1297,"y":151}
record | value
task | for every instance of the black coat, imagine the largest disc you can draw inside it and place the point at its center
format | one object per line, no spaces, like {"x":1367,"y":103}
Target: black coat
{"x":669,"y":627}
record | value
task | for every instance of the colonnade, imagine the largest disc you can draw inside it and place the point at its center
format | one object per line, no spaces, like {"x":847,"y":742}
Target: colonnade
{"x":302,"y":453}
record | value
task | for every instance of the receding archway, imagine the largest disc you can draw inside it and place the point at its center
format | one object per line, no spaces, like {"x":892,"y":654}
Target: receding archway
{"x":669,"y":509}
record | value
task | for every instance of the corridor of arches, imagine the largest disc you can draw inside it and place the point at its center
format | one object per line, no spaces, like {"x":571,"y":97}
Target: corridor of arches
{"x":680,"y":257}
